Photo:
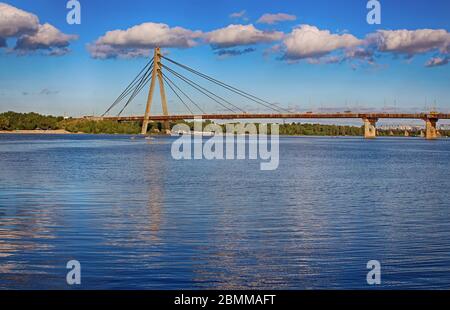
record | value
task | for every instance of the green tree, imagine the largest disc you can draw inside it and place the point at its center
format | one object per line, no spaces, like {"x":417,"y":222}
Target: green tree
{"x":4,"y":123}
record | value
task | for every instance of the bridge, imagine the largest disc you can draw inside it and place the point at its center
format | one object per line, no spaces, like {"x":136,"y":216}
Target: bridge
{"x":153,"y":72}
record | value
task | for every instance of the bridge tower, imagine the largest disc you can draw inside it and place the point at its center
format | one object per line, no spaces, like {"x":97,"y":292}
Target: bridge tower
{"x":156,"y":74}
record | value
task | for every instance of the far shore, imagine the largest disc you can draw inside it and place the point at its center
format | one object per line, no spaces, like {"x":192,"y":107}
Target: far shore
{"x":38,"y":131}
{"x":65,"y":132}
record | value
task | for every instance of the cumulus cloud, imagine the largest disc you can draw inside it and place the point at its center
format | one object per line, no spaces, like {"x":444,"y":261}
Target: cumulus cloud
{"x":46,"y":37}
{"x":360,"y":53}
{"x":437,"y":61}
{"x":275,"y":18}
{"x":357,"y":56}
{"x":304,"y":42}
{"x":151,"y":35}
{"x":101,"y":51}
{"x":15,"y":22}
{"x":30,"y":34}
{"x":138,"y":40}
{"x":308,"y":41}
{"x":326,"y":60}
{"x":237,"y":35}
{"x":410,"y":42}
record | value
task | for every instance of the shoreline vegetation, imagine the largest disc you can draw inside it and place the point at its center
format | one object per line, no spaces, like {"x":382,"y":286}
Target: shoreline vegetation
{"x":34,"y":123}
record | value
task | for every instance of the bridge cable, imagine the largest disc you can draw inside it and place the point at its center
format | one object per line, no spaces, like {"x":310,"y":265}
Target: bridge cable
{"x":144,"y":80}
{"x":173,"y":84}
{"x":130,"y":86}
{"x":129,"y":89}
{"x":231,"y":88}
{"x":204,"y":90}
{"x":187,"y":81}
{"x":167,"y":82}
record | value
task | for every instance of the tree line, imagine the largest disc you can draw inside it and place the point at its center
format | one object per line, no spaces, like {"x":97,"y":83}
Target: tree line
{"x":33,"y":121}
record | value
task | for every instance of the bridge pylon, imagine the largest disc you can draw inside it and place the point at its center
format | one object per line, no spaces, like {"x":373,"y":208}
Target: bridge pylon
{"x":156,"y":74}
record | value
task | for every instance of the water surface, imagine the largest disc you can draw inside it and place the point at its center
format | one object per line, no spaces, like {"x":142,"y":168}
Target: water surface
{"x":137,"y":219}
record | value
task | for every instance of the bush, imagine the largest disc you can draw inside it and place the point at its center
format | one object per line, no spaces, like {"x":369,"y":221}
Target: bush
{"x":97,"y":127}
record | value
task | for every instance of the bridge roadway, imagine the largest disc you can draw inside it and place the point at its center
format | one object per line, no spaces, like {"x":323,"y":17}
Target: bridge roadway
{"x":175,"y":117}
{"x":369,"y":119}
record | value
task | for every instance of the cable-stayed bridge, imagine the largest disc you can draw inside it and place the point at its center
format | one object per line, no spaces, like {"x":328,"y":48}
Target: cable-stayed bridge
{"x":155,"y":71}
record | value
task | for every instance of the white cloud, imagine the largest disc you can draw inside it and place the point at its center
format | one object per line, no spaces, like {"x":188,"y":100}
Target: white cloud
{"x":366,"y":54}
{"x":151,"y":35}
{"x":108,"y":51}
{"x":308,"y":41}
{"x":31,"y":36}
{"x":236,"y":35}
{"x":47,"y":37}
{"x":275,"y":18}
{"x":138,"y":40}
{"x":303,"y":42}
{"x":15,"y":22}
{"x":325,"y":60}
{"x":410,"y":42}
{"x":437,"y":61}
{"x":240,"y":14}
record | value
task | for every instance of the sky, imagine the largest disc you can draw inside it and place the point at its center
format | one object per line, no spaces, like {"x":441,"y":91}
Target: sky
{"x":316,"y":55}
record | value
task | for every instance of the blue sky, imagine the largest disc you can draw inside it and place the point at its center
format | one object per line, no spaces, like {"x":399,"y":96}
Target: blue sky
{"x":77,"y":83}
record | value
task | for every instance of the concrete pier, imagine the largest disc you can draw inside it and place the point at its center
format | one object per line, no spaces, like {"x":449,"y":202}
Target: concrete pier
{"x":370,"y":129}
{"x":431,"y":132}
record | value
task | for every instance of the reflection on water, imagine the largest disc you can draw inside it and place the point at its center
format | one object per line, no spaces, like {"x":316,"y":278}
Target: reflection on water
{"x":135,"y":218}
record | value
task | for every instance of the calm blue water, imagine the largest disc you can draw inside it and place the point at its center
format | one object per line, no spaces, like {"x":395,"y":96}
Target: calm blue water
{"x":136,"y":219}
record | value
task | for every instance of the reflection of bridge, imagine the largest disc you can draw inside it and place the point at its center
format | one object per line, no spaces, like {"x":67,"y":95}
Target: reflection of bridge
{"x":153,"y":72}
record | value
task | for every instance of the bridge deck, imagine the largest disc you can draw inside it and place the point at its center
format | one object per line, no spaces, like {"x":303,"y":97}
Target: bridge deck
{"x":278,"y":116}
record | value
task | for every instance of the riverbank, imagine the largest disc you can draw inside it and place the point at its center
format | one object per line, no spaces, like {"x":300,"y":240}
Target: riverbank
{"x":33,"y":123}
{"x":38,"y":132}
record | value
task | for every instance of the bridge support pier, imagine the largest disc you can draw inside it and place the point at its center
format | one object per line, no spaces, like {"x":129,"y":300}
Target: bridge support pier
{"x":431,"y":132}
{"x":370,"y":130}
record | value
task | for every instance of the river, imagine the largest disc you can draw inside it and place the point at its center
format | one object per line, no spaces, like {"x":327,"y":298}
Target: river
{"x":137,"y":219}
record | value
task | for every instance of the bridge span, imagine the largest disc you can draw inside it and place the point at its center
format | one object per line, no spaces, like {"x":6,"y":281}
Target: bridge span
{"x":369,"y":119}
